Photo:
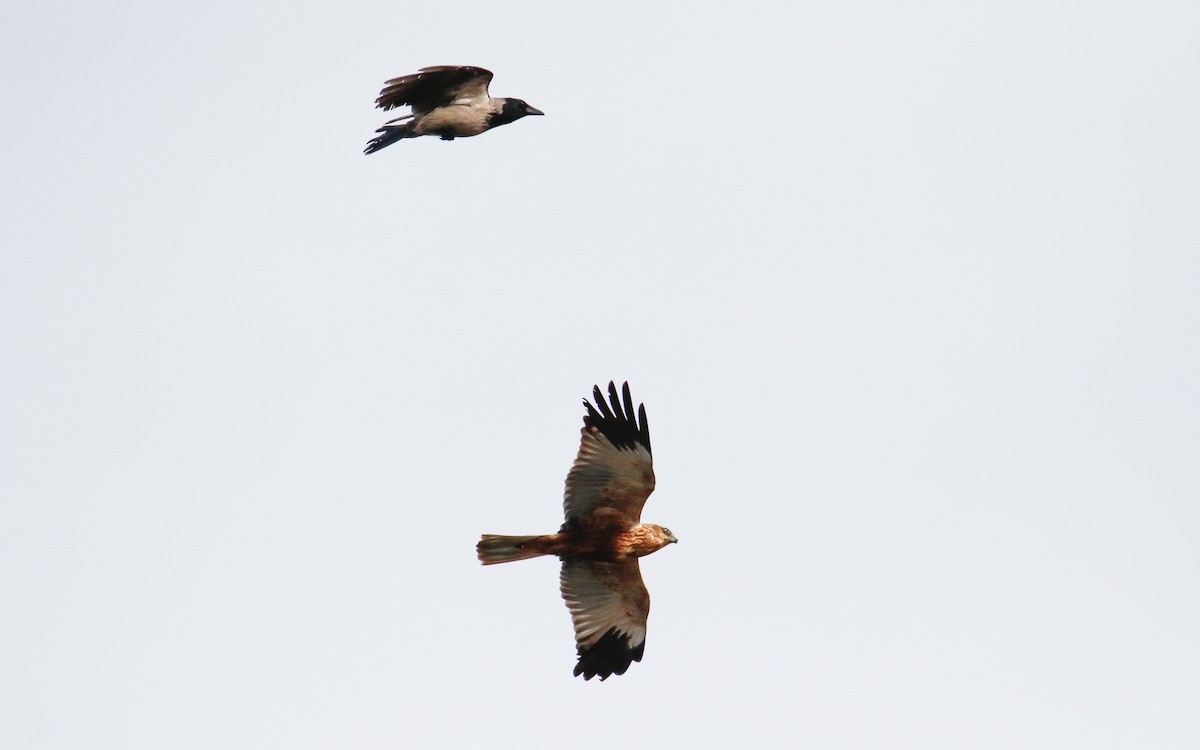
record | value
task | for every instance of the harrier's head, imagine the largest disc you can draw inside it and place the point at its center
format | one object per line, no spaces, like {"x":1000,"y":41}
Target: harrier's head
{"x":663,"y":534}
{"x":645,"y":538}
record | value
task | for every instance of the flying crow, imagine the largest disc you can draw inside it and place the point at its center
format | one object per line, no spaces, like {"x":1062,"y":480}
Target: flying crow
{"x":449,"y":101}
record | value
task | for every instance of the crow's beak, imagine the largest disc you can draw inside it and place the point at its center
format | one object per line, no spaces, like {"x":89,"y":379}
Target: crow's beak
{"x":533,"y":110}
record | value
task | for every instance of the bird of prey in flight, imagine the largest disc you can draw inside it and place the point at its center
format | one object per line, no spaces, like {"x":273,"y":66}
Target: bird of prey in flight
{"x":449,"y":101}
{"x":602,"y":537}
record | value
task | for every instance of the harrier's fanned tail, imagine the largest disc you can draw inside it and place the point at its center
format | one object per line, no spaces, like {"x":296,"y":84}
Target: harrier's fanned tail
{"x":493,"y":548}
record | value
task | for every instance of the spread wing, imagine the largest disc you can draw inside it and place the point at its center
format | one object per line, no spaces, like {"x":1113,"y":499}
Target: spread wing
{"x":436,"y":87}
{"x":609,"y":605}
{"x":613,"y":471}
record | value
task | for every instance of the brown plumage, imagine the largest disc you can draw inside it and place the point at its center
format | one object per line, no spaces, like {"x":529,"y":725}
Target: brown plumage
{"x":602,"y":537}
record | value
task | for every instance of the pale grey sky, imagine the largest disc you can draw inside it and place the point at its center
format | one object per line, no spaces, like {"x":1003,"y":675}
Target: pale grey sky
{"x":911,"y":293}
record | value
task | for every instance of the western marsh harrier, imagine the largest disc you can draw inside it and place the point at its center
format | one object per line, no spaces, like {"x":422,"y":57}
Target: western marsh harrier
{"x":602,"y":537}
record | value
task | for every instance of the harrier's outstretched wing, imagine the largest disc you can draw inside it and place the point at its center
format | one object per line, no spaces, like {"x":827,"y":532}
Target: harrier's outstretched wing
{"x":613,"y":472}
{"x":435,"y":87}
{"x":609,"y":605}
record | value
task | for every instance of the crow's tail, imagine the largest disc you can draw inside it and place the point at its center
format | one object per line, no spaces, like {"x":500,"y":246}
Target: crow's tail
{"x":391,"y":134}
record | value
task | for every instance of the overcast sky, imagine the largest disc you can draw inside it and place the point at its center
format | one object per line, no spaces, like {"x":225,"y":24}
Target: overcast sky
{"x":911,"y":292}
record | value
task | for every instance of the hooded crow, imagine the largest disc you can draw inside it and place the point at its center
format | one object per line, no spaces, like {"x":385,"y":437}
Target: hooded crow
{"x":449,"y":101}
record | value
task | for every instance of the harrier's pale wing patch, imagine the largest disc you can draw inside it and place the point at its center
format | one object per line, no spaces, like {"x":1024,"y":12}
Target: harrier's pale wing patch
{"x":614,"y":470}
{"x":609,"y":605}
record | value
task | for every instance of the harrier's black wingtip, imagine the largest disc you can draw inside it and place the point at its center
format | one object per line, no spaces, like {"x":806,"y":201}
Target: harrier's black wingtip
{"x":616,"y":420}
{"x":608,"y":656}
